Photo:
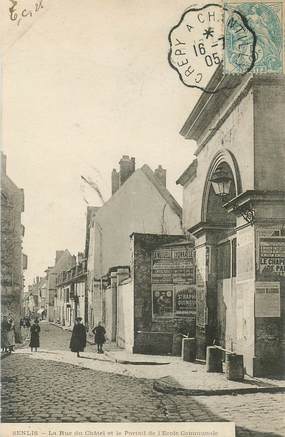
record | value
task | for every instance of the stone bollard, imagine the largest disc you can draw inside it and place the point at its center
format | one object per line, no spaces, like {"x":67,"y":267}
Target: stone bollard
{"x":214,"y":360}
{"x":234,"y":367}
{"x":177,"y":345}
{"x":189,"y":349}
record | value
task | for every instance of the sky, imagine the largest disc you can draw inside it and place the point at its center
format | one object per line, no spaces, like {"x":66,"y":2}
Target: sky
{"x":83,"y":84}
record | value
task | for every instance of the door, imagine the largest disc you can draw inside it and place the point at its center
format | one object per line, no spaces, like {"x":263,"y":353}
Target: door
{"x":226,"y":294}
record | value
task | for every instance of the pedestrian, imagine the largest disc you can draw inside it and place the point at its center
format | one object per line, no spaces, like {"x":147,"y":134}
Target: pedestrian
{"x":99,"y":332}
{"x":11,"y":335}
{"x":4,"y":334}
{"x":24,"y":329}
{"x":27,"y":327}
{"x":35,"y":336}
{"x":78,"y":337}
{"x":28,"y":322}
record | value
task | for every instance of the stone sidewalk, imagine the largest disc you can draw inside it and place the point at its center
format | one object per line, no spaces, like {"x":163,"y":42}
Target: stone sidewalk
{"x":174,"y":376}
{"x":169,"y":374}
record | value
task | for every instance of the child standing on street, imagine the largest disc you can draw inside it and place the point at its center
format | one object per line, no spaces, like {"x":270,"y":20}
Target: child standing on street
{"x":99,"y":332}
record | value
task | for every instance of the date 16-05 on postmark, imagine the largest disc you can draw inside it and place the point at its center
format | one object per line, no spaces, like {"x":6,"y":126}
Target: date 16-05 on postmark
{"x":197,"y":45}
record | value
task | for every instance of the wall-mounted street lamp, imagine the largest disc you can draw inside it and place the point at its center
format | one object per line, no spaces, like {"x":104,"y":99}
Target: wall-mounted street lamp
{"x":221,"y":181}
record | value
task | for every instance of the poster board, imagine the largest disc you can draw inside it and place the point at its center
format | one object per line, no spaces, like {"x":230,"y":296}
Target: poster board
{"x":267,"y":299}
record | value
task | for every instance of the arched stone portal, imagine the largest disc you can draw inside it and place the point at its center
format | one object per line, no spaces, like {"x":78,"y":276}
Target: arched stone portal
{"x":210,"y":203}
{"x":240,"y":241}
{"x":220,"y":303}
{"x":216,"y":259}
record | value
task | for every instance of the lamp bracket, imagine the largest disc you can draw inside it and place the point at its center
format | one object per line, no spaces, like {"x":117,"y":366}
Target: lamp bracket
{"x":247,"y":211}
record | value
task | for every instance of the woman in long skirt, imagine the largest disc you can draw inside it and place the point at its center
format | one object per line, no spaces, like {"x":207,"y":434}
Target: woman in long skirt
{"x":11,"y":335}
{"x":35,"y":336}
{"x":5,"y":326}
{"x":78,"y":337}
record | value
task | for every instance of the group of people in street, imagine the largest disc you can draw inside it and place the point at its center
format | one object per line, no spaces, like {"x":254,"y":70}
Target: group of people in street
{"x":30,"y":330}
{"x":7,"y":334}
{"x":79,"y":337}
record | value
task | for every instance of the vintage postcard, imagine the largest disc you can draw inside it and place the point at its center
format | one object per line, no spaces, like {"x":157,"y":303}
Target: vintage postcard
{"x":142,"y":218}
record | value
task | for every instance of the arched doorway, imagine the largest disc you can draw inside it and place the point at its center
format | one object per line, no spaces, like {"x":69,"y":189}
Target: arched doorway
{"x":220,"y":228}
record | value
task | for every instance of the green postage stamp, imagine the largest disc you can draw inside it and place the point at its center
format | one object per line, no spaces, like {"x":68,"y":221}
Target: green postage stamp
{"x":254,"y":37}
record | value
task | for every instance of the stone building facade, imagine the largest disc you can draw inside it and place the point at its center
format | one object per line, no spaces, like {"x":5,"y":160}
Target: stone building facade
{"x":239,"y":237}
{"x":140,"y":202}
{"x":63,"y":261}
{"x":71,"y":296}
{"x":13,"y":261}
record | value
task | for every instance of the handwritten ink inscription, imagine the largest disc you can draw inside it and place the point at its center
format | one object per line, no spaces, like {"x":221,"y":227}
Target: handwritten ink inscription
{"x":19,"y":11}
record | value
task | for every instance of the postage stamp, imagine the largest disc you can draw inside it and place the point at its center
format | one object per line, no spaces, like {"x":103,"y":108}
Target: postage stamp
{"x":265,"y":20}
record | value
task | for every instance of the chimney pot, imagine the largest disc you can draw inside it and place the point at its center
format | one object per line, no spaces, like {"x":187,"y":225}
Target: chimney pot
{"x":160,"y":174}
{"x":127,"y":168}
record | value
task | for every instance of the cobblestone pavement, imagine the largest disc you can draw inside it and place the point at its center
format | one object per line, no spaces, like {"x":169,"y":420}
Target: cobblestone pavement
{"x":48,"y":391}
{"x":55,"y":338}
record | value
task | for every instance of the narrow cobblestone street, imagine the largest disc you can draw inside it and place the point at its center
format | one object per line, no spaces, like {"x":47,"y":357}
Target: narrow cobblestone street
{"x":40,"y":390}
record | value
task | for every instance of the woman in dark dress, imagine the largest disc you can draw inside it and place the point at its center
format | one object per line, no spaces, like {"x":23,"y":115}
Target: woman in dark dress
{"x":78,"y":337}
{"x":99,"y":332}
{"x":5,"y":326}
{"x":35,"y":335}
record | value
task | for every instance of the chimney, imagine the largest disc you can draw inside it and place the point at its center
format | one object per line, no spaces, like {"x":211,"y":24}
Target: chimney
{"x":80,"y":257}
{"x":3,"y":163}
{"x":91,"y":212}
{"x":58,"y":254}
{"x":115,"y":180}
{"x":127,"y":168}
{"x":160,"y":174}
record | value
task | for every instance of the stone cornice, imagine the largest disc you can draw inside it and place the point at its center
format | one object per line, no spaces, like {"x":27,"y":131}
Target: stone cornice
{"x":189,"y":174}
{"x":254,"y":196}
{"x":205,"y":110}
{"x":202,"y":227}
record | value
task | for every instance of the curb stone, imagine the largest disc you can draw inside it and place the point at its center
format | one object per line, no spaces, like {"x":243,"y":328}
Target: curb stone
{"x":135,"y":363}
{"x":170,"y":389}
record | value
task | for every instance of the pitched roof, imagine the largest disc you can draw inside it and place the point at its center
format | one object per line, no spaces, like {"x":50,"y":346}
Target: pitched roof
{"x":163,"y":191}
{"x":188,"y":174}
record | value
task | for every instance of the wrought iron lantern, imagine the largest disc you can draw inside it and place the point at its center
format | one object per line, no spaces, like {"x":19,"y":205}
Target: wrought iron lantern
{"x":221,"y":182}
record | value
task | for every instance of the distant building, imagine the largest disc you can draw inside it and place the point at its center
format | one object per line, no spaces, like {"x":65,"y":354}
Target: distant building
{"x":35,"y":299}
{"x":63,"y":261}
{"x":13,"y":262}
{"x":71,"y":297}
{"x":42,"y":302}
{"x":141,"y":203}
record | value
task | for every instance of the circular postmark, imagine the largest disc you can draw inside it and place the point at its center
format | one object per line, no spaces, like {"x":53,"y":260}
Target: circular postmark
{"x":199,"y":41}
